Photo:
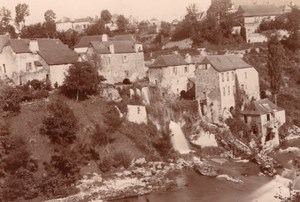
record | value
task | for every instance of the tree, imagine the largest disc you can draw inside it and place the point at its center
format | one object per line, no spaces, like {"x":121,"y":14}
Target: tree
{"x":22,"y":11}
{"x":96,"y":29}
{"x":61,"y":124}
{"x":106,"y":16}
{"x":5,"y":16}
{"x":10,"y":99}
{"x":122,"y":23}
{"x":275,"y":58}
{"x":34,"y":31}
{"x":82,"y":80}
{"x":49,"y":24}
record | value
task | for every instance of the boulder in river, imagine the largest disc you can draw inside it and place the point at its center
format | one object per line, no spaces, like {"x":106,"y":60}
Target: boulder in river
{"x":206,"y":170}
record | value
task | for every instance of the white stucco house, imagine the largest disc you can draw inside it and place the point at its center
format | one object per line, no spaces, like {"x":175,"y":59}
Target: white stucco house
{"x":23,"y":60}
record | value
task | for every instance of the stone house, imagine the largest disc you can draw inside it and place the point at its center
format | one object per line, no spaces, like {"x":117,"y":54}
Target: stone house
{"x":117,"y":58}
{"x":171,"y":72}
{"x":250,"y":16}
{"x":218,"y":81}
{"x":264,"y":118}
{"x":24,"y":60}
{"x":137,"y":114}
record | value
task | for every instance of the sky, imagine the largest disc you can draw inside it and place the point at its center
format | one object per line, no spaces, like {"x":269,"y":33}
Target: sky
{"x":141,"y":9}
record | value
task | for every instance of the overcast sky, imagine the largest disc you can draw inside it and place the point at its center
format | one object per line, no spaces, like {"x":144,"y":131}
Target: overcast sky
{"x":142,"y":9}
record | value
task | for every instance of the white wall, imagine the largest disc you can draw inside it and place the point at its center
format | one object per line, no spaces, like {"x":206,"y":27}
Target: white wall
{"x":227,"y":89}
{"x":57,"y":73}
{"x":136,"y":114}
{"x":248,"y":77}
{"x":64,"y":26}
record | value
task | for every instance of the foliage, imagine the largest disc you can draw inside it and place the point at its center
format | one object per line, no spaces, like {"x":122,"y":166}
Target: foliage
{"x":5,"y":18}
{"x":69,"y":37}
{"x":61,"y":124}
{"x":239,"y":129}
{"x":97,"y":29}
{"x":49,"y":24}
{"x":106,"y":16}
{"x":121,"y":158}
{"x":22,"y":11}
{"x":81,"y":81}
{"x":100,"y":136}
{"x":10,"y":99}
{"x":122,"y":23}
{"x":275,"y":58}
{"x":163,"y":145}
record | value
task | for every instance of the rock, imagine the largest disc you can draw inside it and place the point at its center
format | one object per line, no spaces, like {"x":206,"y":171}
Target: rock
{"x":140,"y":161}
{"x":111,"y":94}
{"x":206,"y":170}
{"x":131,"y":93}
{"x":127,"y":173}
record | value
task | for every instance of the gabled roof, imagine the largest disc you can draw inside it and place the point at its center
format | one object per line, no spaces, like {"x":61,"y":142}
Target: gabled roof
{"x":259,"y":10}
{"x":223,"y":63}
{"x":54,"y":52}
{"x":87,"y":19}
{"x":20,"y":45}
{"x":260,"y":107}
{"x":86,"y":40}
{"x":3,"y":41}
{"x":168,"y":60}
{"x":123,"y":37}
{"x":196,"y":59}
{"x":119,"y":46}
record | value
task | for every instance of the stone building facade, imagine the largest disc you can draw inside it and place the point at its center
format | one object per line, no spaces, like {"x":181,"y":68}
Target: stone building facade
{"x":218,"y":79}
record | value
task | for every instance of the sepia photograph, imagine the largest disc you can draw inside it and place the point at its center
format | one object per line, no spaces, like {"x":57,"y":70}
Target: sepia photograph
{"x":150,"y":101}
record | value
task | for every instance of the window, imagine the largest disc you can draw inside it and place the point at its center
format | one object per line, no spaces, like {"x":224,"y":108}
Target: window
{"x":138,"y":110}
{"x":232,"y":74}
{"x":125,"y":59}
{"x":228,"y":88}
{"x":206,"y":66}
{"x":175,"y":70}
{"x":108,"y":60}
{"x":227,"y":76}
{"x":28,"y":66}
{"x":245,"y":75}
{"x":156,"y":82}
{"x":4,"y":68}
{"x":126,"y":73}
{"x":245,"y":119}
{"x":204,"y":94}
{"x":224,"y":93}
{"x":0,"y":69}
{"x":268,"y":117}
{"x":242,"y":87}
{"x":186,"y":69}
{"x":222,"y":77}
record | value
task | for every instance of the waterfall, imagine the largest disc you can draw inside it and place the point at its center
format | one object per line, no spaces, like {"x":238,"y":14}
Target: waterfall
{"x":178,"y":139}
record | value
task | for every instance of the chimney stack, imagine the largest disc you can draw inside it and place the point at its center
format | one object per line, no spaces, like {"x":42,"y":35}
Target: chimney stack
{"x":104,"y":37}
{"x":33,"y":45}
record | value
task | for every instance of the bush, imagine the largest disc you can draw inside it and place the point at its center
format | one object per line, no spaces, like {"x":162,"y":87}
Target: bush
{"x":100,"y":136}
{"x":105,"y":163}
{"x":36,"y":84}
{"x":61,"y":124}
{"x":121,"y":158}
{"x":10,"y":99}
{"x":163,"y":145}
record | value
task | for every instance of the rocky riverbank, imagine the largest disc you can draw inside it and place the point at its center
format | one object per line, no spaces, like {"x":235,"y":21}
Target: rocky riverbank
{"x":141,"y":178}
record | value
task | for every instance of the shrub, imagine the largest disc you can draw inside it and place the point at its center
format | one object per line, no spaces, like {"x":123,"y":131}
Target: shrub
{"x":105,"y":163}
{"x":36,"y":84}
{"x":121,"y":158}
{"x":10,"y":99}
{"x":100,"y":136}
{"x":61,"y":124}
{"x":163,"y":145}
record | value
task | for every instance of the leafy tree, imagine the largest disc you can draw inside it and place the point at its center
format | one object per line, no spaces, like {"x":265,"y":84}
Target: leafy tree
{"x":106,"y":16}
{"x":10,"y":99}
{"x":5,"y":16}
{"x":61,"y":124}
{"x":122,"y":23}
{"x":275,"y":58}
{"x":49,"y":24}
{"x":82,"y":80}
{"x":70,"y":37}
{"x":22,"y":11}
{"x":97,"y":29}
{"x":34,"y":31}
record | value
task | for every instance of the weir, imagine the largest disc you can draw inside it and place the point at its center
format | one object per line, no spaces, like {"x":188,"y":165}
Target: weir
{"x":178,"y":139}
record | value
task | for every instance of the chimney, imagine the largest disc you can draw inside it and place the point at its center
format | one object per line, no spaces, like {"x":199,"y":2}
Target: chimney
{"x":188,"y":58}
{"x":33,"y":45}
{"x":138,"y":48}
{"x":104,"y":37}
{"x":111,"y":48}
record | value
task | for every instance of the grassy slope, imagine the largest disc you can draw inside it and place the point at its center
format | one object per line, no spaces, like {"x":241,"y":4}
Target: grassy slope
{"x":89,"y":112}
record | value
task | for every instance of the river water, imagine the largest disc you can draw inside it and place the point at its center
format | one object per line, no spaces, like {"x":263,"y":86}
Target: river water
{"x":194,"y":187}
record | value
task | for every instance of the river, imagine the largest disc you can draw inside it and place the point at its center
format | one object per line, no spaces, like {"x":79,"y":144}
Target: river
{"x":193,"y":187}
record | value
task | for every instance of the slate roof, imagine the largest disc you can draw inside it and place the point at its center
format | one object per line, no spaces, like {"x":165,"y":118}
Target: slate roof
{"x":168,"y":60}
{"x":54,"y":52}
{"x":223,"y":63}
{"x":259,"y":10}
{"x":260,"y":107}
{"x":86,"y":40}
{"x":123,"y":37}
{"x":20,"y":45}
{"x":3,"y":41}
{"x":196,"y":59}
{"x":119,"y":46}
{"x":87,"y":19}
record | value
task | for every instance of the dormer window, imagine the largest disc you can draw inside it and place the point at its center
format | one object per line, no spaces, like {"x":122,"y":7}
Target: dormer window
{"x":125,"y":59}
{"x":186,"y":69}
{"x":175,"y":70}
